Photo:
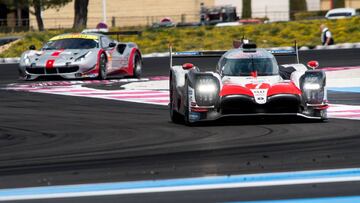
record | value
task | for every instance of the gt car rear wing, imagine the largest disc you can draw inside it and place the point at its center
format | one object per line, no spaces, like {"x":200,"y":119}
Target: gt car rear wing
{"x":117,"y":33}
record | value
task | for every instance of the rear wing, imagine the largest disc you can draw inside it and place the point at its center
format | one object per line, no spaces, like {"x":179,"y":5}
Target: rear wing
{"x":117,"y":33}
{"x":294,"y":51}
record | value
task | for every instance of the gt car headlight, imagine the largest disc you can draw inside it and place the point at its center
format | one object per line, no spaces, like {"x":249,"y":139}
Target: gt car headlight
{"x":83,"y":57}
{"x":312,"y":86}
{"x":27,"y":61}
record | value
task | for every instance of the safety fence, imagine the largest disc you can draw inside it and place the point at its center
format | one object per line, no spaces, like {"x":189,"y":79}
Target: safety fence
{"x":125,"y":21}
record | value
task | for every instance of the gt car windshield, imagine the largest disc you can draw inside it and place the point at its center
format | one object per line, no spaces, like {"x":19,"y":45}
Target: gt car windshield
{"x":244,"y":67}
{"x":71,"y":43}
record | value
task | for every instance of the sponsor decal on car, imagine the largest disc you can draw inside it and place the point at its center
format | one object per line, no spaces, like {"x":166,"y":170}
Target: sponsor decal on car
{"x":70,"y":36}
{"x":260,"y":95}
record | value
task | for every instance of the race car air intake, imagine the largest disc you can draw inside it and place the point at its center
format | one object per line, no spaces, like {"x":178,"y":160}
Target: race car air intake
{"x":207,"y":89}
{"x":312,"y":85}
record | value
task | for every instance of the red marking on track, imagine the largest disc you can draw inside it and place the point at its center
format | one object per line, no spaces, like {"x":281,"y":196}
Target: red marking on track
{"x":61,"y":90}
{"x":158,"y":101}
{"x":349,"y":111}
{"x":345,"y":115}
{"x":120,"y":92}
{"x":141,"y":96}
{"x":339,"y":68}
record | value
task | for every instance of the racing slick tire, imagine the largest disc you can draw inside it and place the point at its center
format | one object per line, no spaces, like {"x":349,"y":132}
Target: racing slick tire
{"x":175,"y":116}
{"x":137,"y":66}
{"x":186,"y":105}
{"x":102,"y":67}
{"x":322,"y":114}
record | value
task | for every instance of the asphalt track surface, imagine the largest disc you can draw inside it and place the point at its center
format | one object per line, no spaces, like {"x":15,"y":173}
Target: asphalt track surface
{"x":55,"y":140}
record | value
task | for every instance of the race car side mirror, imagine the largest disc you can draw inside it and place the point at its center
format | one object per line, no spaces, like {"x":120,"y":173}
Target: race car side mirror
{"x":313,"y":64}
{"x":32,"y":47}
{"x":187,"y":66}
{"x":112,"y":44}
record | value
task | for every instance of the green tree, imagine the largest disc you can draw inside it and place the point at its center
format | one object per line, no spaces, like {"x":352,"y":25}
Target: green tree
{"x":297,"y":6}
{"x":37,"y":7}
{"x":246,"y":9}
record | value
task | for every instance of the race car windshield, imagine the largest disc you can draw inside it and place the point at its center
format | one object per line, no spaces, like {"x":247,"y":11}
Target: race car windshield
{"x":244,"y":67}
{"x":73,"y":43}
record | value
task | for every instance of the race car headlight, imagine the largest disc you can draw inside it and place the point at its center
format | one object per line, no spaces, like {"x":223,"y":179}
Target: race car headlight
{"x":83,"y":57}
{"x":206,"y":91}
{"x":27,"y":61}
{"x":312,"y":86}
{"x":204,"y":88}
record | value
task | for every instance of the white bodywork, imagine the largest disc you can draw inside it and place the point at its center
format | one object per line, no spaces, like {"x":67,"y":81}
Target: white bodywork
{"x":339,"y":13}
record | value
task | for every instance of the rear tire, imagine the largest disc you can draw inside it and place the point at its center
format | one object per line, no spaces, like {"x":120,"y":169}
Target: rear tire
{"x":102,"y":67}
{"x":175,"y":116}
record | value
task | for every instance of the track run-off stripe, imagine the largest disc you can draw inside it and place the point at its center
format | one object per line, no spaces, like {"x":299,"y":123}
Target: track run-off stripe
{"x":145,"y":91}
{"x":185,"y":184}
{"x":345,"y":89}
{"x":346,"y":199}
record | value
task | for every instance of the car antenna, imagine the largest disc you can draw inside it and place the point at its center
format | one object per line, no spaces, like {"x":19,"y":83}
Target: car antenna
{"x":297,"y":52}
{"x":170,"y":54}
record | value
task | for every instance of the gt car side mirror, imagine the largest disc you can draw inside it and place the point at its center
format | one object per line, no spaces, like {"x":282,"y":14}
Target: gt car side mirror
{"x":112,"y":44}
{"x":313,"y":64}
{"x":32,"y":47}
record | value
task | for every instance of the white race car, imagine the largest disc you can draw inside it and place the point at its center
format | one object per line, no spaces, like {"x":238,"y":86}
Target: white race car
{"x":247,"y":82}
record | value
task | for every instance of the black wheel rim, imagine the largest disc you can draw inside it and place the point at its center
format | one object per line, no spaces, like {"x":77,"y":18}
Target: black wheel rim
{"x":103,"y":66}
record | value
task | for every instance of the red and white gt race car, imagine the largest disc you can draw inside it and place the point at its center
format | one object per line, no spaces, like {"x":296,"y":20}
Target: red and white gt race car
{"x":247,"y":82}
{"x":82,"y":55}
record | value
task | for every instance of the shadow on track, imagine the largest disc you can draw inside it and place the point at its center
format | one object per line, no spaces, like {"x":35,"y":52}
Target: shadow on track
{"x":254,"y":120}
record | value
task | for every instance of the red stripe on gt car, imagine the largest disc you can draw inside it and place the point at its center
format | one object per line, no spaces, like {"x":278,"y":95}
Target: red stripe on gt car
{"x":57,"y":53}
{"x":50,"y":63}
{"x":130,"y":68}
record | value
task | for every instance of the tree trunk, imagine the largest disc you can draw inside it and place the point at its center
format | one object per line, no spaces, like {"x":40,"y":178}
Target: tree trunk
{"x":81,"y":9}
{"x":339,"y":3}
{"x":18,"y":14}
{"x":246,"y":9}
{"x":297,"y":6}
{"x":39,"y":20}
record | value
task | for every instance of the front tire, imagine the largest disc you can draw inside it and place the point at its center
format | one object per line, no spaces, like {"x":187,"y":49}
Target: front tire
{"x":186,"y":105}
{"x":175,"y":116}
{"x":102,"y":67}
{"x":137,"y":70}
{"x":322,"y":114}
